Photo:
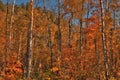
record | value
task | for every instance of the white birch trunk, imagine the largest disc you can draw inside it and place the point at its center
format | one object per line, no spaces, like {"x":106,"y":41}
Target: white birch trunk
{"x":104,"y":40}
{"x":11,"y":24}
{"x":29,"y":53}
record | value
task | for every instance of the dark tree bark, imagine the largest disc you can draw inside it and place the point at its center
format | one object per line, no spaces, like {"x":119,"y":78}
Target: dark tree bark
{"x":88,"y":12}
{"x":114,"y":13}
{"x":81,"y":28}
{"x":111,"y":53}
{"x":70,"y":28}
{"x":97,"y":60}
{"x":59,"y":30}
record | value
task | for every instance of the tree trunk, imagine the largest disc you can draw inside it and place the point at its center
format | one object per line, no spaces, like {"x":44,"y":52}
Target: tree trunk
{"x":107,"y":4}
{"x":59,"y":30}
{"x":49,"y":36}
{"x":88,"y":12}
{"x":81,"y":26}
{"x":19,"y":49}
{"x":11,"y":25}
{"x":97,"y":60}
{"x":29,"y":53}
{"x":50,"y":46}
{"x":104,"y":40}
{"x":111,"y":54}
{"x":44,"y":2}
{"x":7,"y":38}
{"x":70,"y":28}
{"x":114,"y":24}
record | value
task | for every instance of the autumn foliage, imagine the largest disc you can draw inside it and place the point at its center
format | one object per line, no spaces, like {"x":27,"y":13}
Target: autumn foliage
{"x":82,"y":25}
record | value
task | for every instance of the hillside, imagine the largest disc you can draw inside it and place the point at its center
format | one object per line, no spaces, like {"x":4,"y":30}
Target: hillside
{"x":72,"y":42}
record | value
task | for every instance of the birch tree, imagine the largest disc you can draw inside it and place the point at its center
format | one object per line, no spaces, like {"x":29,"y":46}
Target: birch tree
{"x":29,"y":53}
{"x":11,"y":24}
{"x":104,"y":39}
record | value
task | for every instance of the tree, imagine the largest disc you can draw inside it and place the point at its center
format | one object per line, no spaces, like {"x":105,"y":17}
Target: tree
{"x":70,"y":30}
{"x":104,"y":39}
{"x":59,"y":26}
{"x":7,"y":38}
{"x":11,"y":25}
{"x":47,"y":42}
{"x":97,"y":61}
{"x":49,"y":35}
{"x":81,"y":27}
{"x":29,"y":53}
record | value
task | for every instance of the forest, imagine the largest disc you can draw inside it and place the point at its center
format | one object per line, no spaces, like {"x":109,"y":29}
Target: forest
{"x":60,"y":40}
